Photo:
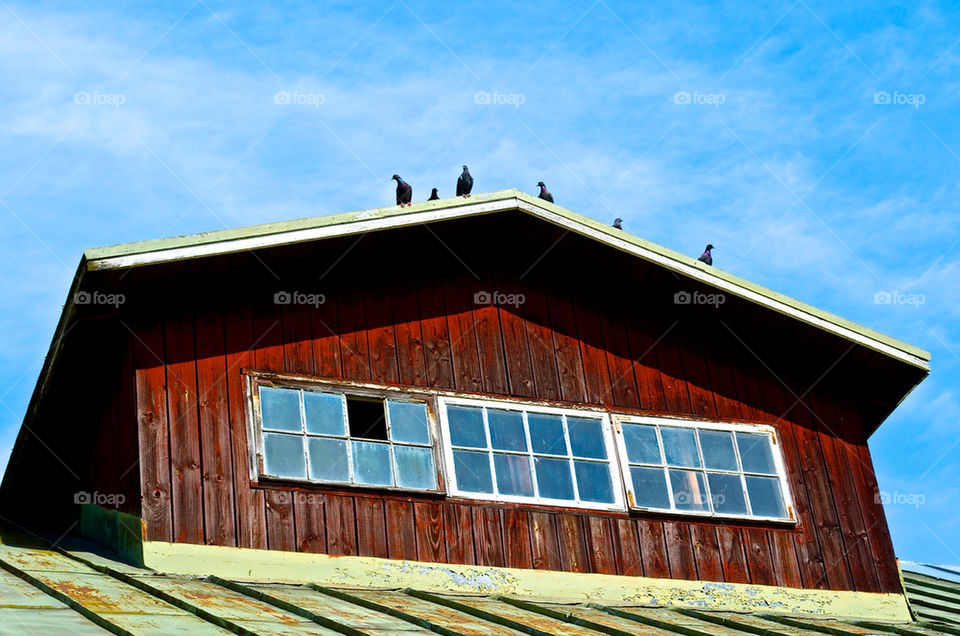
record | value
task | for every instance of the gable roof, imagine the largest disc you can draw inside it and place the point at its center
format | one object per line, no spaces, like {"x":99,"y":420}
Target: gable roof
{"x":252,"y":237}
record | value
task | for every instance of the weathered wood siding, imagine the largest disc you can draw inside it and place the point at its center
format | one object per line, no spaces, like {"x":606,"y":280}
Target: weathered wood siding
{"x":595,"y":328}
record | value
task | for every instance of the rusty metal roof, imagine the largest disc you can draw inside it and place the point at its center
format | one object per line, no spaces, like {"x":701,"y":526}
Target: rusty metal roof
{"x":75,"y":588}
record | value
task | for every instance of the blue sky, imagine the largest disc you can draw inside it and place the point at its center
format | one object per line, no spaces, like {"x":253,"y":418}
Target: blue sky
{"x":816,"y":143}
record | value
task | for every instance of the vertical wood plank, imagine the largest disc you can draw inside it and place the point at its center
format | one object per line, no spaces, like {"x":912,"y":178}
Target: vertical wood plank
{"x":623,"y":382}
{"x":706,"y":550}
{"x":429,"y":532}
{"x":371,"y":527}
{"x":250,"y":505}
{"x":151,"y":398}
{"x":593,"y":353}
{"x":540,"y":344}
{"x":546,"y":549}
{"x":488,"y":538}
{"x":354,"y":347}
{"x":384,"y":366}
{"x":311,"y":528}
{"x":627,"y":547}
{"x":281,"y":533}
{"x":566,"y":348}
{"x":573,"y":546}
{"x":341,"y":525}
{"x":185,"y":467}
{"x":401,"y":533}
{"x":518,"y":551}
{"x":218,"y":503}
{"x":325,"y":339}
{"x":462,"y":327}
{"x":599,"y":538}
{"x":653,"y":548}
{"x":297,"y":344}
{"x":409,"y":335}
{"x":679,"y":550}
{"x":732,"y":555}
{"x":436,"y":337}
{"x":759,"y":557}
{"x":786,"y":567}
{"x":458,"y":532}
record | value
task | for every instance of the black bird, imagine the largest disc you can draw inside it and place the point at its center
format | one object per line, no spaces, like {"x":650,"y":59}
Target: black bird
{"x":706,"y":257}
{"x":464,"y":183}
{"x":544,"y":193}
{"x":616,"y":223}
{"x":433,"y":195}
{"x":404,"y":191}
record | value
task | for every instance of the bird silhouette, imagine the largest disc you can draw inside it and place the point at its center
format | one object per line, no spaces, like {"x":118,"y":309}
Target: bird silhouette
{"x":464,"y":183}
{"x":706,"y":257}
{"x":616,"y":223}
{"x":404,"y":191}
{"x":433,"y":195}
{"x":544,"y":193}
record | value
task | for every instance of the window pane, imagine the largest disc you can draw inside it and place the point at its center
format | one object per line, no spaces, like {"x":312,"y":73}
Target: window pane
{"x":513,"y":474}
{"x":765,"y":497}
{"x":466,"y":427}
{"x":415,"y":467}
{"x":593,"y":481}
{"x":689,"y":491}
{"x":642,"y":445}
{"x":726,"y":491}
{"x":283,"y":455}
{"x":328,"y":459}
{"x":408,"y":422}
{"x":553,"y":478}
{"x":546,"y":434}
{"x":717,"y":447}
{"x":756,"y":455}
{"x":371,"y":463}
{"x":586,"y":437}
{"x":280,"y":408}
{"x":324,"y":413}
{"x":680,"y":446}
{"x":649,"y":487}
{"x":506,"y":430}
{"x":472,"y":471}
{"x":366,"y":418}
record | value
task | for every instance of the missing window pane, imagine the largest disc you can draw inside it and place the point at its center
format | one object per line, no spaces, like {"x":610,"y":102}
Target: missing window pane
{"x":366,"y":418}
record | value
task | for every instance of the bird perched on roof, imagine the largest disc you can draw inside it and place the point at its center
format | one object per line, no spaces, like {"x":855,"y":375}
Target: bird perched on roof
{"x":404,"y":191}
{"x":464,"y":183}
{"x":616,"y":223}
{"x":706,"y":257}
{"x":544,"y":193}
{"x":433,"y":195}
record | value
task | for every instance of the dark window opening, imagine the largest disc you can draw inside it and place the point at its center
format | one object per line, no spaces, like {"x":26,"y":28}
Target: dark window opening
{"x":366,"y":418}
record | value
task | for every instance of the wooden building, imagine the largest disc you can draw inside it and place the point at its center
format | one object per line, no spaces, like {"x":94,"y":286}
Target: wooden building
{"x":494,"y":381}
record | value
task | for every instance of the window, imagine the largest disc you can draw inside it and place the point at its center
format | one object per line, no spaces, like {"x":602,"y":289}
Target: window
{"x":513,"y":452}
{"x":339,"y":437}
{"x":718,"y":470}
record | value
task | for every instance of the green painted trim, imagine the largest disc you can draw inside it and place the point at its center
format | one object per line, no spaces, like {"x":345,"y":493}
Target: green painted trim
{"x":565,"y":617}
{"x":119,"y":531}
{"x":246,"y":564}
{"x":259,"y":595}
{"x":490,"y":617}
{"x":385,"y":609}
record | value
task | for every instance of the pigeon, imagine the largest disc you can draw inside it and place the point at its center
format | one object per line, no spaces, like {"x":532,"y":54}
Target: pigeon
{"x":544,"y":193}
{"x":464,"y":183}
{"x":706,"y":257}
{"x":433,"y":195}
{"x":616,"y":223}
{"x":404,"y":191}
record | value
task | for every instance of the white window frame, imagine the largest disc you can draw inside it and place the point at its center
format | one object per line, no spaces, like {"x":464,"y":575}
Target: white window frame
{"x":256,"y":431}
{"x":453,"y":489}
{"x":776,"y":448}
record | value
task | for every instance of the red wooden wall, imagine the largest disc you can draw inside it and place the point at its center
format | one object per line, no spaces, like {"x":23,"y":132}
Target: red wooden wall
{"x":596,"y":328}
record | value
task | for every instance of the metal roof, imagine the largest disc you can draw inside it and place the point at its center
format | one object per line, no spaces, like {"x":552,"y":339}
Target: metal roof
{"x":933,"y":592}
{"x":274,"y":234}
{"x":76,"y":588}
